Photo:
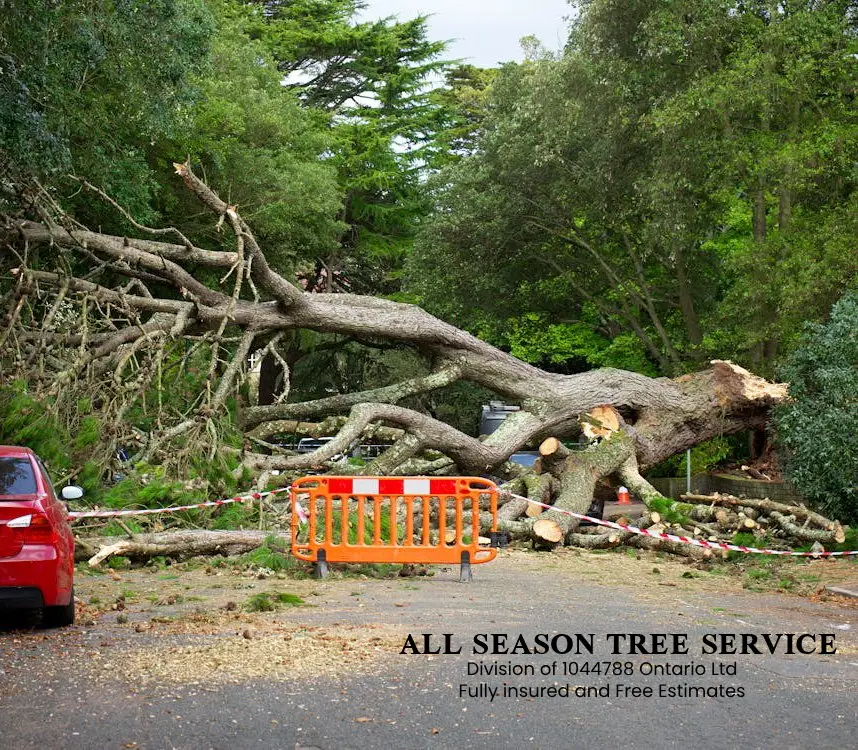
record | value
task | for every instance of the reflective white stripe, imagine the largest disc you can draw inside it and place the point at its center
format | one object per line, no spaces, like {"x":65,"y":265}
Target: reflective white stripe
{"x":365,"y":486}
{"x":22,"y":522}
{"x":417,"y":487}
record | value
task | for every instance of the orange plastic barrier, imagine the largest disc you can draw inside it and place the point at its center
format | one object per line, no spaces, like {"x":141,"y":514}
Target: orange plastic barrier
{"x":357,"y":519}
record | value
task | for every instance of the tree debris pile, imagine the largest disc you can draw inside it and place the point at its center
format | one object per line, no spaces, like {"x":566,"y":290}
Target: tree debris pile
{"x":715,"y":518}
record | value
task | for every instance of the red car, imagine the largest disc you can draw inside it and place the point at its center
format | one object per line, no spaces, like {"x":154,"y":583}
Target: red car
{"x":36,"y":542}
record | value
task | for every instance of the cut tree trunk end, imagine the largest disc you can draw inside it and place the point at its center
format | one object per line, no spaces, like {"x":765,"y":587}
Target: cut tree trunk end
{"x":576,"y":474}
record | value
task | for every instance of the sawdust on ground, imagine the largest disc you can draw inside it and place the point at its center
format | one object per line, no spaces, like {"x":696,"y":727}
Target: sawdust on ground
{"x":242,"y":647}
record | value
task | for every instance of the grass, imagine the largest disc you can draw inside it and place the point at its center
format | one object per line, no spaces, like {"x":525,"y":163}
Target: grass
{"x":274,"y":556}
{"x":266,"y":602}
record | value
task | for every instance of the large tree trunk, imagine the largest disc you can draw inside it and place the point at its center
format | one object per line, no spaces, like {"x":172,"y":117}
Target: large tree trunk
{"x":659,"y":416}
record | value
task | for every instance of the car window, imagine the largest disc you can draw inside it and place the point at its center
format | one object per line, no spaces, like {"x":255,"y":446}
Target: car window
{"x":16,"y":477}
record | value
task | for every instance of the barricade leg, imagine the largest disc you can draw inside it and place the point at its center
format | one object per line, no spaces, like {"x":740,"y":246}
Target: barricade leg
{"x":321,"y":570}
{"x":465,"y":573}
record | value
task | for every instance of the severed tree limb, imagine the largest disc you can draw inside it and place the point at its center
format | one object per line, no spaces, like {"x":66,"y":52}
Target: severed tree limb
{"x":337,"y":404}
{"x":175,"y":544}
{"x":391,"y":461}
{"x":638,"y":486}
{"x":805,"y":533}
{"x":40,"y":234}
{"x":577,"y":474}
{"x":470,"y":454}
{"x":227,"y":380}
{"x":539,"y":488}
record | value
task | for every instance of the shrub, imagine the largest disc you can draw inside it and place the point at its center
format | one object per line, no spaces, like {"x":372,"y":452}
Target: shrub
{"x":818,"y":429}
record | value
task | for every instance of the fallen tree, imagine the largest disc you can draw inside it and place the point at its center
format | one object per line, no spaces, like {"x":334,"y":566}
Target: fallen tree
{"x":132,"y":300}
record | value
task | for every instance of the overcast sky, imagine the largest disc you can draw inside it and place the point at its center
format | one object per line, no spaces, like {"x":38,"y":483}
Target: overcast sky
{"x":485,"y":32}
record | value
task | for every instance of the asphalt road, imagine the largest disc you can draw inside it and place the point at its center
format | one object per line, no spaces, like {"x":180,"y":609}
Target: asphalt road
{"x":413,"y":701}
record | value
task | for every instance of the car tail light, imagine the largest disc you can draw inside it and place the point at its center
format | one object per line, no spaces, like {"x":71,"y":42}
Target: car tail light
{"x":32,"y":529}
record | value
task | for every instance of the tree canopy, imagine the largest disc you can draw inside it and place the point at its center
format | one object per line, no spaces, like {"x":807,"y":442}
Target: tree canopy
{"x":677,"y":184}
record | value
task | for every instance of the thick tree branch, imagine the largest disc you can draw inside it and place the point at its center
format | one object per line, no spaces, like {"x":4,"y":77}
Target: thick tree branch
{"x":388,"y":394}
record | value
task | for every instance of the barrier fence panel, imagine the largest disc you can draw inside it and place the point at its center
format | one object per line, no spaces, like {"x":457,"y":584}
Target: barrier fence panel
{"x":392,"y":520}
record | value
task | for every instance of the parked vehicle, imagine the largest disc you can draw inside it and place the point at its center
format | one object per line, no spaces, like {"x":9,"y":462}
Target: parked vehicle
{"x":36,"y":542}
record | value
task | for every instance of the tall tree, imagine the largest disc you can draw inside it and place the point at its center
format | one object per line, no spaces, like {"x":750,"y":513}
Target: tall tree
{"x":82,"y":91}
{"x":374,"y":79}
{"x":616,"y":190}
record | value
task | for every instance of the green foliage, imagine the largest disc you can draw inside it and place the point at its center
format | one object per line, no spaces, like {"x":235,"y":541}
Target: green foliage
{"x":271,"y":555}
{"x":374,"y":78}
{"x":265,"y":602}
{"x":235,"y":516}
{"x":682,"y":175}
{"x":818,"y":427}
{"x":114,"y":529}
{"x":289,"y":600}
{"x":88,"y":87}
{"x":465,"y":98}
{"x":534,"y":338}
{"x":118,"y":562}
{"x":670,"y":510}
{"x":704,"y":457}
{"x":29,"y":422}
{"x":88,"y":432}
{"x":260,"y":603}
{"x":260,"y":148}
{"x":352,"y":528}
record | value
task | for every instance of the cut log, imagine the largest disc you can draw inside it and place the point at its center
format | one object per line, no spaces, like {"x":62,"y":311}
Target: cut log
{"x":549,"y":530}
{"x":805,"y":533}
{"x":533,"y":510}
{"x":539,"y":490}
{"x":603,"y":540}
{"x":577,"y":475}
{"x":675,"y":548}
{"x":552,"y":449}
{"x":765,"y":505}
{"x":754,"y":473}
{"x":179,"y":545}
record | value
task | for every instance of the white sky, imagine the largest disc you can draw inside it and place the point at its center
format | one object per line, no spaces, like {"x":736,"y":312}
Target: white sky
{"x":485,"y":32}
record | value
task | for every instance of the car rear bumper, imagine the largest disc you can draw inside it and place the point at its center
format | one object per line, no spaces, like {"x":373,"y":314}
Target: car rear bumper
{"x":20,"y":597}
{"x":35,"y":568}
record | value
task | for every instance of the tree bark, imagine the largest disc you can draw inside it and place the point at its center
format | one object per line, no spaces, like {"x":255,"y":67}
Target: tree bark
{"x":179,"y":545}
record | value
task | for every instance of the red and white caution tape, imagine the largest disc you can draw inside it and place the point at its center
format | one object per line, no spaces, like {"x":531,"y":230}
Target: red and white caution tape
{"x":393,"y":485}
{"x":175,"y":508}
{"x":686,"y":540}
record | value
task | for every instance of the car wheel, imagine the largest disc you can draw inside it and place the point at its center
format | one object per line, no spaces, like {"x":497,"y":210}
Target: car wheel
{"x":59,"y":617}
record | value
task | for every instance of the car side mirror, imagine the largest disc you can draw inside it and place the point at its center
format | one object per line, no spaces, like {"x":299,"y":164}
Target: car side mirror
{"x":72,"y":492}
